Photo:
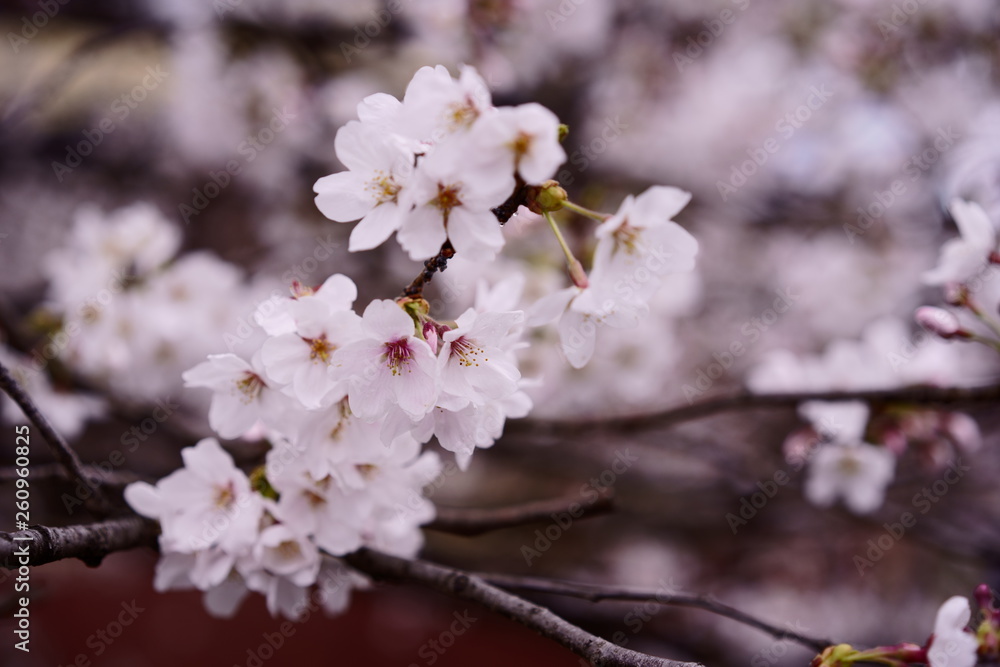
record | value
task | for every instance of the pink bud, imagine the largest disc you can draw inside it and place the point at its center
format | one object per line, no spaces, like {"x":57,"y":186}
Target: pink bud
{"x":938,"y":321}
{"x":964,"y":431}
{"x":895,"y":441}
{"x":578,"y":275}
{"x":431,"y":336}
{"x":984,"y":597}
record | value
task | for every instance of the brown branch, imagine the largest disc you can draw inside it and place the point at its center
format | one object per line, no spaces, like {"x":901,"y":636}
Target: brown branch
{"x":60,"y":448}
{"x":462,"y":521}
{"x":466,"y":586}
{"x":91,"y":543}
{"x":594,"y":593}
{"x":439,"y":262}
{"x":924,"y":395}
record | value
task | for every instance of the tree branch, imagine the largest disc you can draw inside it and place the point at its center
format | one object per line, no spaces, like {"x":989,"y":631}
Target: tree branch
{"x":747,"y":401}
{"x":466,"y":586}
{"x":60,"y":448}
{"x":594,"y":593}
{"x":117,"y":478}
{"x":39,"y":545}
{"x":438,"y":262}
{"x":468,"y":522}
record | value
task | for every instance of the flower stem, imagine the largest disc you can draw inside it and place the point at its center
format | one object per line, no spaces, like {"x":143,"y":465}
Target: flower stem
{"x":600,"y":217}
{"x":576,"y":271}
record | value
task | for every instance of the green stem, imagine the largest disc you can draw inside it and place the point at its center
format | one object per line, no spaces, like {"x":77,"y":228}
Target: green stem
{"x":576,"y":271}
{"x":600,"y":217}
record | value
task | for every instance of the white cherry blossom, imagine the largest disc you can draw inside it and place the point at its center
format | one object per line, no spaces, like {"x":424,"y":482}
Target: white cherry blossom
{"x":378,"y":170}
{"x":388,"y":366}
{"x":961,"y":258}
{"x":951,"y":645}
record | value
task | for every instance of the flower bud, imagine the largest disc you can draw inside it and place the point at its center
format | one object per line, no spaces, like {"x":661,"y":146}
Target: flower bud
{"x":938,"y":321}
{"x":547,"y":197}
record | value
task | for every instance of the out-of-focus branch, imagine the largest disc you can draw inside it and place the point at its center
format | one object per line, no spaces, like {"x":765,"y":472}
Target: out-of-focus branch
{"x":57,"y":471}
{"x":60,"y":448}
{"x":924,"y":396}
{"x":460,"y":521}
{"x":90,"y":543}
{"x":466,"y":586}
{"x":594,"y":593}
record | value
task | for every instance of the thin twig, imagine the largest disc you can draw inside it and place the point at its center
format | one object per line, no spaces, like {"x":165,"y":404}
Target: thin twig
{"x":39,"y":545}
{"x":465,"y":586}
{"x":438,"y":262}
{"x":595,"y":593}
{"x":748,"y":401}
{"x":60,"y":448}
{"x":462,"y":521}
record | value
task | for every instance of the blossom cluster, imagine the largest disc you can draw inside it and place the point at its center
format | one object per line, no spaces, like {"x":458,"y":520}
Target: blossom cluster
{"x":129,"y":312}
{"x":346,"y":397}
{"x":431,"y":166}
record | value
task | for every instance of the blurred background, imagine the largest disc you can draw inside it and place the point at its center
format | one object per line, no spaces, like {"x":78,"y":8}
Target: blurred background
{"x":822,"y":142}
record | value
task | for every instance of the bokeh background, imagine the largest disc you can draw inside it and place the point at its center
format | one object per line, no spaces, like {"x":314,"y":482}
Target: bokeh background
{"x":786,"y":120}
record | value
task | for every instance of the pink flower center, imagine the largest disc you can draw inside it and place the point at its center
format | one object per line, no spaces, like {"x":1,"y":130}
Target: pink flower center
{"x":397,"y":355}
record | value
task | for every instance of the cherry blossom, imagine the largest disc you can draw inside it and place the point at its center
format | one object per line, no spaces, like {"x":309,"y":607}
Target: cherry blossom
{"x":951,"y":645}
{"x":640,"y":243}
{"x":522,"y":139}
{"x":240,"y":394}
{"x":378,"y":170}
{"x":474,"y":367}
{"x":388,"y":365}
{"x":962,"y":257}
{"x":206,"y":503}
{"x":848,"y":468}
